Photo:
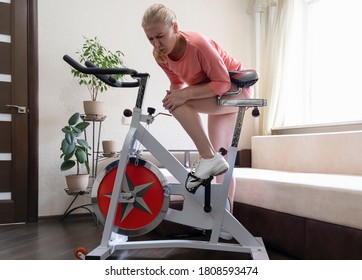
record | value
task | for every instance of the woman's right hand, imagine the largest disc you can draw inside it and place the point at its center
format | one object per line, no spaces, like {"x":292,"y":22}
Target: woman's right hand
{"x":174,"y":99}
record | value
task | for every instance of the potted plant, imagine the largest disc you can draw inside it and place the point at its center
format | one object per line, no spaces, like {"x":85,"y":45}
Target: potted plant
{"x":75,"y":153}
{"x":93,"y":51}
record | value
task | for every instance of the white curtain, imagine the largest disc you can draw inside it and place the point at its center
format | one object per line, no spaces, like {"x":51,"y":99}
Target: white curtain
{"x":277,"y":58}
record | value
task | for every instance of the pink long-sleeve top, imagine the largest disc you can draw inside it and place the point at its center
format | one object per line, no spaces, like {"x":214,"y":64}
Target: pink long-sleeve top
{"x":204,"y":61}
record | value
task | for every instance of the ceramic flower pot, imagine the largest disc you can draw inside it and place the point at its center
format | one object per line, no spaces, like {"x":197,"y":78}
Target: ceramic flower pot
{"x":110,"y":147}
{"x":77,"y":183}
{"x":94,"y":108}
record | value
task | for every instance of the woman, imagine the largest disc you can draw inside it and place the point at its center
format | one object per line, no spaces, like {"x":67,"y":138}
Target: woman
{"x":197,"y":68}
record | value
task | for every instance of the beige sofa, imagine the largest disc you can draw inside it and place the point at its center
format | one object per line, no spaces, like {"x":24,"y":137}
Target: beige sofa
{"x":303,"y":194}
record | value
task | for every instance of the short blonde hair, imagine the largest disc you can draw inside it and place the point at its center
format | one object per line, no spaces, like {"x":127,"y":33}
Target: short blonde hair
{"x":158,"y":13}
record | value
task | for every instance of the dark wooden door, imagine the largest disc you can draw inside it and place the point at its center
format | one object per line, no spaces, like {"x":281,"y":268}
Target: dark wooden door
{"x":16,"y":186}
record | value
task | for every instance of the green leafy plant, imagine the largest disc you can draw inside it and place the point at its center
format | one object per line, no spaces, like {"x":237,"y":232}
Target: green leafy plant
{"x":74,"y":149}
{"x":95,"y":52}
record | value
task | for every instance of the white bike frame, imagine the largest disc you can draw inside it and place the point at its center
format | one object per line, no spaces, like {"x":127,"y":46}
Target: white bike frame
{"x":194,"y":212}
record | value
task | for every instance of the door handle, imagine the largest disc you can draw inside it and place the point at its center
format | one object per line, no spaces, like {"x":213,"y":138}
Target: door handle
{"x":21,"y":109}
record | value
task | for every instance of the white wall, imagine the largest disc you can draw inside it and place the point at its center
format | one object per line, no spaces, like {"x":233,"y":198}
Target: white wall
{"x":117,"y":24}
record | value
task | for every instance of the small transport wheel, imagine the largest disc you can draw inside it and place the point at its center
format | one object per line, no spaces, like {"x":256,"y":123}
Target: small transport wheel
{"x":80,"y":253}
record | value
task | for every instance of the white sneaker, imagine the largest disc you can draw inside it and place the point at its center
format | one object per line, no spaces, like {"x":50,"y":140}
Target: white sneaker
{"x":205,"y":168}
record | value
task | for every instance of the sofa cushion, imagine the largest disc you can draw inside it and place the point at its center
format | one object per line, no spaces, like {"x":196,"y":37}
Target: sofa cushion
{"x":326,"y":197}
{"x":331,"y":153}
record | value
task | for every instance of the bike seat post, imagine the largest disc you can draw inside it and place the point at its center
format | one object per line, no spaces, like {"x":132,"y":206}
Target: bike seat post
{"x":238,"y":126}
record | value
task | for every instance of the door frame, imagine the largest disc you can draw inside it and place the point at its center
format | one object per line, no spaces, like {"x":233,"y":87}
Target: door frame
{"x":33,"y":105}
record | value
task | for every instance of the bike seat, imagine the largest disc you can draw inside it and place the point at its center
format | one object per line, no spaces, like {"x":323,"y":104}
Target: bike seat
{"x":244,"y":78}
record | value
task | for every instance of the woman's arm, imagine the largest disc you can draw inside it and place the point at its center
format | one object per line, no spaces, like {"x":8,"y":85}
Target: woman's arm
{"x":178,"y":95}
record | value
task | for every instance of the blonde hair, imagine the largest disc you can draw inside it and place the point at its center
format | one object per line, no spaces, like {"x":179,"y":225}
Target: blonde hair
{"x":158,"y":13}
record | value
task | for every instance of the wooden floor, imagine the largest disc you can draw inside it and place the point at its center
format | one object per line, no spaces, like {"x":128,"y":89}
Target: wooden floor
{"x":52,"y":239}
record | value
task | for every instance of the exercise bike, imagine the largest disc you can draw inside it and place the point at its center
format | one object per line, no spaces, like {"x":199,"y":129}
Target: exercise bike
{"x":131,"y":196}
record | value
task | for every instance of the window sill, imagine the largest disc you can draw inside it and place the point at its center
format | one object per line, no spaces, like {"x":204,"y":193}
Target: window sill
{"x":317,"y":128}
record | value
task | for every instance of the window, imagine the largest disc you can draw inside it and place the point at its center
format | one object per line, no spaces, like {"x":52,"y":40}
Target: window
{"x":332,"y":63}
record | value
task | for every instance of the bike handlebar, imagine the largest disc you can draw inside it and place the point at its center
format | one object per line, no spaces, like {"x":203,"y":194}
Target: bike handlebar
{"x":104,"y":74}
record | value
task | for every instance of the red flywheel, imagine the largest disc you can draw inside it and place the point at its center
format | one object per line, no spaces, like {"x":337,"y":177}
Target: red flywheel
{"x":144,"y":197}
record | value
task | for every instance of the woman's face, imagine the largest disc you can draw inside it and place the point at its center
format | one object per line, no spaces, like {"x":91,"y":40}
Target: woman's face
{"x":162,"y":37}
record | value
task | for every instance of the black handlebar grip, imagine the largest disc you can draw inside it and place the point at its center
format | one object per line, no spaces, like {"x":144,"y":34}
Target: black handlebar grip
{"x":96,"y":70}
{"x":109,"y":80}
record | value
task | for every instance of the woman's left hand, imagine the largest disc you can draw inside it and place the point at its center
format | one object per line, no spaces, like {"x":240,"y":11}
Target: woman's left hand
{"x":174,"y":99}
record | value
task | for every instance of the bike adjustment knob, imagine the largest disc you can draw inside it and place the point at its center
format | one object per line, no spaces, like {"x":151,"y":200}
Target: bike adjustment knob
{"x":151,"y":110}
{"x":255,"y":113}
{"x":223,"y":151}
{"x":127,"y":113}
